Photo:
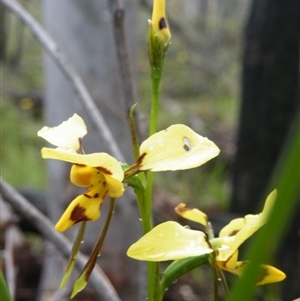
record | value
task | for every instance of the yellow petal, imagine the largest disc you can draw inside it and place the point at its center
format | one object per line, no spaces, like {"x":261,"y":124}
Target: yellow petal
{"x":192,"y":214}
{"x":267,"y":273}
{"x":85,"y":207}
{"x":177,"y":147}
{"x":240,"y":229}
{"x":159,"y":21}
{"x":114,"y":186}
{"x":169,"y":241}
{"x":270,"y":274}
{"x":67,"y":135}
{"x":82,"y":175}
{"x":102,"y":161}
{"x":232,"y":265}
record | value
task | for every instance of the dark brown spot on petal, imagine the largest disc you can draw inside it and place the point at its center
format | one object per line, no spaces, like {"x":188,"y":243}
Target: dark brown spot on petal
{"x":78,"y":214}
{"x":104,"y":170}
{"x":162,"y":23}
{"x":96,"y":195}
{"x":104,"y":184}
{"x":87,"y":196}
{"x":233,"y":232}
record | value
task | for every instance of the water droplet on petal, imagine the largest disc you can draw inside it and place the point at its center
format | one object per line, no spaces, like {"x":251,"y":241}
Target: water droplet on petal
{"x":155,"y":252}
{"x":161,"y":233}
{"x":160,"y":142}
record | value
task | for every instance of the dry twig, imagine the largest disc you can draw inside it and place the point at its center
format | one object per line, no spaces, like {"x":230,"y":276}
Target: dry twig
{"x":98,"y":280}
{"x":76,"y":82}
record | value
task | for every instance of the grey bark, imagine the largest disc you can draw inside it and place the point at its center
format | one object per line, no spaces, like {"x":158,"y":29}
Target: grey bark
{"x":84,"y":31}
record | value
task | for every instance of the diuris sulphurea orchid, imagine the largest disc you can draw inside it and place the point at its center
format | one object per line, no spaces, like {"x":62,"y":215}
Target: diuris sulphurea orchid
{"x":171,"y":241}
{"x":101,"y":173}
{"x":177,"y":147}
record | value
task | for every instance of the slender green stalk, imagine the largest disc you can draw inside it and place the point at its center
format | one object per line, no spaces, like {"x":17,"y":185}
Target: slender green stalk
{"x":156,"y":78}
{"x":82,"y":280}
{"x":223,"y":281}
{"x":215,"y":281}
{"x":74,"y":253}
{"x":4,"y":291}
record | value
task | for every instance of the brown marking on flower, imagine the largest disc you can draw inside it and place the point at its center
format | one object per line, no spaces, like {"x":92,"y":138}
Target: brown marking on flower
{"x":234,"y":232}
{"x":80,"y":150}
{"x":104,"y":183}
{"x":162,"y":23}
{"x":104,"y":195}
{"x":140,"y":159}
{"x":96,"y":195}
{"x":79,"y":165}
{"x":104,"y":170}
{"x":182,"y":208}
{"x":78,"y":214}
{"x":87,"y":196}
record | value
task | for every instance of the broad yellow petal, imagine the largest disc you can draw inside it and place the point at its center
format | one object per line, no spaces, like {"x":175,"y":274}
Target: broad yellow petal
{"x":114,"y":186}
{"x":177,"y":147}
{"x":169,"y":241}
{"x":85,"y":207}
{"x":67,"y":135}
{"x":101,"y":161}
{"x":82,"y":175}
{"x":192,"y":214}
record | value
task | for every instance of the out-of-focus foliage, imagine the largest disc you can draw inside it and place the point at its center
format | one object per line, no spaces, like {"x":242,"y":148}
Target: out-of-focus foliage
{"x":21,"y":108}
{"x":199,"y":88}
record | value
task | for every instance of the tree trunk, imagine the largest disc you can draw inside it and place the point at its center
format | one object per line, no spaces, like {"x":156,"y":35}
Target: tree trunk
{"x":83,"y":29}
{"x":270,"y":104}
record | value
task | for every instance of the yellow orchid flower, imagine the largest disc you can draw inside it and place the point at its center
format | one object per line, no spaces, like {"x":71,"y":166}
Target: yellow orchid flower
{"x":159,"y":22}
{"x":176,"y":148}
{"x":100,"y":172}
{"x":180,"y":242}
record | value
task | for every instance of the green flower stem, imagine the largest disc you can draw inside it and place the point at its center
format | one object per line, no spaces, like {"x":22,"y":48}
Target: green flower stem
{"x":83,"y":279}
{"x":156,"y":79}
{"x":215,"y":282}
{"x":223,"y":282}
{"x":74,"y":253}
{"x":178,"y":268}
{"x":156,"y":51}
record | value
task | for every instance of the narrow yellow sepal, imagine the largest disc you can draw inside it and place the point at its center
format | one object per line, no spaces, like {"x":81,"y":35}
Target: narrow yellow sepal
{"x":159,"y":21}
{"x":270,"y":274}
{"x":192,"y":214}
{"x":240,"y":229}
